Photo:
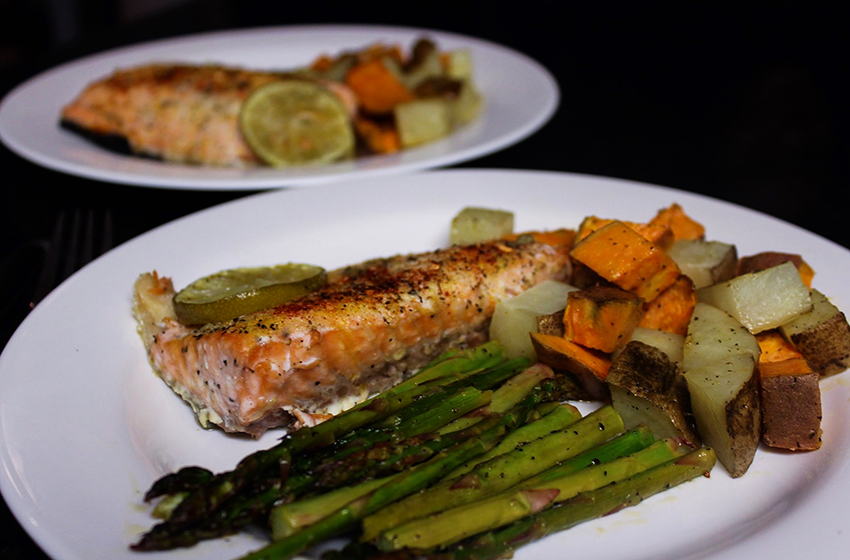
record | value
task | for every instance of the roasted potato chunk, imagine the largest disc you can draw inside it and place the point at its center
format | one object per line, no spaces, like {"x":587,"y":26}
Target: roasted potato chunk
{"x":516,"y":317}
{"x":474,"y":225}
{"x":713,"y":335}
{"x":649,"y":388}
{"x":790,"y":396}
{"x":761,"y":300}
{"x":822,"y":336}
{"x":727,"y":408}
{"x":705,"y":262}
{"x":720,"y":357}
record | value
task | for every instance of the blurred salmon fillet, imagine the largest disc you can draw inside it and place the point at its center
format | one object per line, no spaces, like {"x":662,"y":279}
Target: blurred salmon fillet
{"x":370,"y":327}
{"x":173,"y":112}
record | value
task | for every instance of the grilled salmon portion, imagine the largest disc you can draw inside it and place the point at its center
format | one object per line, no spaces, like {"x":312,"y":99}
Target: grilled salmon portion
{"x":370,"y":327}
{"x":173,"y":112}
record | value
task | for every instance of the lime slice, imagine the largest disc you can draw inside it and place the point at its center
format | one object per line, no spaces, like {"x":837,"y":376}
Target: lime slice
{"x":232,"y":293}
{"x":296,"y":122}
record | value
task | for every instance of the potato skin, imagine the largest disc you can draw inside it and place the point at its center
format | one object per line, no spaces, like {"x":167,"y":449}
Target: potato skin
{"x":743,"y":417}
{"x":791,"y":411}
{"x":826,"y":346}
{"x":647,"y":372}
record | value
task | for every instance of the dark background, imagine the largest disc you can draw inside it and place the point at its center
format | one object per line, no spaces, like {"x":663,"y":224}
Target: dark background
{"x":742,"y":101}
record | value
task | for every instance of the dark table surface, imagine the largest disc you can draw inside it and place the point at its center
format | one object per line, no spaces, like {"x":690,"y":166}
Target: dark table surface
{"x":745,"y":102}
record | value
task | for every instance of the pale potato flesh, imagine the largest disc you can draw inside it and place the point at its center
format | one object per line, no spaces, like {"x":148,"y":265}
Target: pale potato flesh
{"x":761,"y":300}
{"x":475,"y":225}
{"x":704,"y":262}
{"x":726,"y":405}
{"x":670,"y":343}
{"x":822,"y":336}
{"x":713,"y":335}
{"x":515,"y":317}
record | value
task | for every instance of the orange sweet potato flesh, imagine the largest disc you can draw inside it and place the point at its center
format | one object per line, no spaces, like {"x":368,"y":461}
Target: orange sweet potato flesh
{"x":682,"y":225}
{"x":671,"y":311}
{"x":601,"y":317}
{"x":790,"y":393}
{"x":558,"y":237}
{"x":660,"y":234}
{"x":379,"y":139}
{"x":588,"y":367}
{"x":779,"y":357}
{"x":768,"y":259}
{"x":378,"y":90}
{"x":627,"y":259}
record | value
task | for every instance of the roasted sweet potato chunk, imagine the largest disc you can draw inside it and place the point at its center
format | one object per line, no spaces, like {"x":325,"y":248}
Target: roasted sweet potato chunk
{"x":377,"y":88}
{"x":790,"y":394}
{"x":682,"y":225}
{"x":671,"y":311}
{"x":624,"y":257}
{"x":601,"y":317}
{"x":659,"y":234}
{"x":588,"y":367}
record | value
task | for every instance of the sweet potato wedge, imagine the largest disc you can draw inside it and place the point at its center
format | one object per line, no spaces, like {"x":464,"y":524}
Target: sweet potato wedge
{"x":588,"y":367}
{"x":682,"y":225}
{"x":563,"y":237}
{"x":601,"y":317}
{"x":626,"y":258}
{"x":377,"y":88}
{"x":378,"y":137}
{"x":659,"y":234}
{"x":671,"y":311}
{"x":790,"y":396}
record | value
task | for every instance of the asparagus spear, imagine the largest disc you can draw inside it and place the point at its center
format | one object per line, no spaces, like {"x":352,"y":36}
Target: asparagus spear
{"x":631,"y":441}
{"x":406,"y":421}
{"x":204,"y":499}
{"x":450,"y":526}
{"x":502,"y":543}
{"x":405,"y":484}
{"x":349,"y":462}
{"x":563,"y":416}
{"x":501,"y":472}
{"x":286,"y":519}
{"x":294,"y":515}
{"x":587,"y":506}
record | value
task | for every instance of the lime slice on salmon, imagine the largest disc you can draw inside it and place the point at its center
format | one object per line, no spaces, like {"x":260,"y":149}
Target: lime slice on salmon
{"x":296,"y":122}
{"x":232,"y":293}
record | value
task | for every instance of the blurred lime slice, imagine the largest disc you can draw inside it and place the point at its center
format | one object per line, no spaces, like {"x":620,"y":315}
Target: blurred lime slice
{"x":296,"y":122}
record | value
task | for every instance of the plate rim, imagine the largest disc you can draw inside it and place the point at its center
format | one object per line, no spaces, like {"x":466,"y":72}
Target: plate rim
{"x":262,"y":197}
{"x":238,"y":180}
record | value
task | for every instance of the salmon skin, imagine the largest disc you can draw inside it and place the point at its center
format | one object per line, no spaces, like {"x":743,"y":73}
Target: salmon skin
{"x":370,"y":327}
{"x":173,"y":112}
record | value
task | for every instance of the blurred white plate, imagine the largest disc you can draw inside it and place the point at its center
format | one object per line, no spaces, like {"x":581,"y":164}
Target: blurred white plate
{"x":520,"y":97}
{"x":86,"y":427}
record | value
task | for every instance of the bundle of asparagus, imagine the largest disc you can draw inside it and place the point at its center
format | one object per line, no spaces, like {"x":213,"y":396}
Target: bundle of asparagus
{"x":472,"y":457}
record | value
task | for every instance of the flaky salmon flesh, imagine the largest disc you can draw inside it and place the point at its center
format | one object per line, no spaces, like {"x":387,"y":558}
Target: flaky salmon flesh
{"x":175,"y":112}
{"x":371,"y":326}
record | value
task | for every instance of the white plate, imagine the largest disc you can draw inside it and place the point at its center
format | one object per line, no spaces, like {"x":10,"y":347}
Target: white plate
{"x":86,"y":426}
{"x":520,"y":96}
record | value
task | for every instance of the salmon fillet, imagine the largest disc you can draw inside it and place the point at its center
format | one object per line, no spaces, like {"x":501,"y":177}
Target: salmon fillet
{"x":370,"y":327}
{"x":173,"y":112}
